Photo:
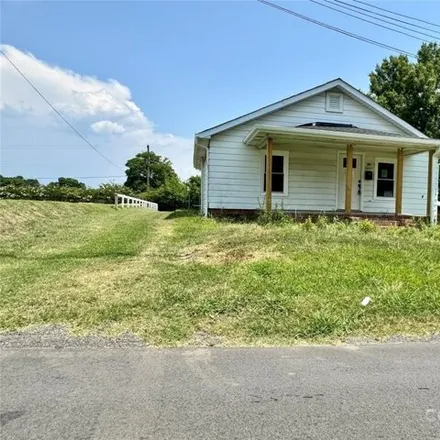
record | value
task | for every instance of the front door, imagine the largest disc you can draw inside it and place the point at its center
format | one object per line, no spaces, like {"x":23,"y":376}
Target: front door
{"x":356,"y":187}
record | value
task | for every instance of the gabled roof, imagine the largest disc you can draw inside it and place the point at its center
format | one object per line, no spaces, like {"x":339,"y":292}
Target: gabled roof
{"x":336,"y":83}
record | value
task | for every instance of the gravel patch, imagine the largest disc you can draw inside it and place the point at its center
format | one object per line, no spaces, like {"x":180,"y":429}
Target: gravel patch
{"x":57,"y":336}
{"x":394,"y":339}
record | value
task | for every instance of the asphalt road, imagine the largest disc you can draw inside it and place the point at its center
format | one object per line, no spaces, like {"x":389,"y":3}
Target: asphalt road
{"x":348,"y":392}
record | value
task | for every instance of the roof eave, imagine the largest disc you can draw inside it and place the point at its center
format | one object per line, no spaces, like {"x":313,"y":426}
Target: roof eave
{"x":341,"y":137}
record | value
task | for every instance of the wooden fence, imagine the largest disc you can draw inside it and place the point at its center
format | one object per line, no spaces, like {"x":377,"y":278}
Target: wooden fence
{"x":123,"y":201}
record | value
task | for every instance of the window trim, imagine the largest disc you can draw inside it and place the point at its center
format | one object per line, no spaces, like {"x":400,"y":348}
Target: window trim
{"x":285,"y":154}
{"x":328,"y":95}
{"x":376,"y":172}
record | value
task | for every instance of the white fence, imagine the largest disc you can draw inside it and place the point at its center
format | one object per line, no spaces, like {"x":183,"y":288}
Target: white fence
{"x":132,"y":202}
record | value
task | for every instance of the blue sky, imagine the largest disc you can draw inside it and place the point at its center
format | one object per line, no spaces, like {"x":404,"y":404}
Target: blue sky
{"x":179,"y":66}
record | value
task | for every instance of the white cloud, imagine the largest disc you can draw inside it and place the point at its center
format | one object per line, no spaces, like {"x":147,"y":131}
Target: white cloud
{"x":36,"y":142}
{"x":107,"y":127}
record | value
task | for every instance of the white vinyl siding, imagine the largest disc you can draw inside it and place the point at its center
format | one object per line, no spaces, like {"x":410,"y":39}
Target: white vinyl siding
{"x":235,"y":170}
{"x":415,"y":184}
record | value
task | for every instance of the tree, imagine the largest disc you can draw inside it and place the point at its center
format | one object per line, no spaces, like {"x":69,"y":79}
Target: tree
{"x":193,"y":184}
{"x":18,"y":181}
{"x":161,"y":171}
{"x":70,"y":182}
{"x":411,"y":90}
{"x":170,"y":196}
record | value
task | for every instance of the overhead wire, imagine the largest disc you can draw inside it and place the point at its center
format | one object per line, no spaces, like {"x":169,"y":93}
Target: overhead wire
{"x":368,"y":13}
{"x":397,"y":13}
{"x":368,"y":21}
{"x":336,"y":29}
{"x":79,"y":177}
{"x":78,"y":133}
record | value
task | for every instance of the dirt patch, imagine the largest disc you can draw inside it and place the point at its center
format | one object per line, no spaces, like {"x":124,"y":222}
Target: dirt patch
{"x":210,"y":253}
{"x":204,"y":339}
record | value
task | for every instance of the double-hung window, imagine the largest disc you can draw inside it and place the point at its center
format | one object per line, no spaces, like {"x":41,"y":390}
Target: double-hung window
{"x":385,"y":179}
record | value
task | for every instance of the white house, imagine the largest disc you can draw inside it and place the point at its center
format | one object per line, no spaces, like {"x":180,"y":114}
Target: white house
{"x":326,"y":150}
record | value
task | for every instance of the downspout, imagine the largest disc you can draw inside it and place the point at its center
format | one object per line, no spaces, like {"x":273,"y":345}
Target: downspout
{"x":205,"y":205}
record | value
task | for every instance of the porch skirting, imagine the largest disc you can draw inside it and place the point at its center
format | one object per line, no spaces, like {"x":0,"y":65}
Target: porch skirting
{"x":380,"y":217}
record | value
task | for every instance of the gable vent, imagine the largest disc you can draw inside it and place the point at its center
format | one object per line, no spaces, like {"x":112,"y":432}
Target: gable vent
{"x":334,"y":102}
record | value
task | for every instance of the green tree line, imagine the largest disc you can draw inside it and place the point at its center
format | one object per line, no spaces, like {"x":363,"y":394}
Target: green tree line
{"x":163,"y":186}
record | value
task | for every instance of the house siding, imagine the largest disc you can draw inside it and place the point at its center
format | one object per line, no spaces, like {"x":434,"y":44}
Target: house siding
{"x":235,"y":170}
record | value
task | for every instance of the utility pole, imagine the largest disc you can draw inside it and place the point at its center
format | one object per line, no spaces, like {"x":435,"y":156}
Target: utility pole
{"x":148,"y":167}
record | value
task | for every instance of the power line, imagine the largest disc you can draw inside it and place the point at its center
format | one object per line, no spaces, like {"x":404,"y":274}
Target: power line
{"x":367,"y":21}
{"x":392,"y":18}
{"x":58,"y":113}
{"x":396,"y":13}
{"x":336,"y":29}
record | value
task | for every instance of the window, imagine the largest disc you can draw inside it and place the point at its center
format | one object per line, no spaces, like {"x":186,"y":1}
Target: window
{"x":334,"y":102}
{"x":279,"y":173}
{"x":385,"y":179}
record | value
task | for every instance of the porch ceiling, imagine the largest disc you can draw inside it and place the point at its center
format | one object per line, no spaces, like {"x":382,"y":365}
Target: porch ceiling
{"x":258,"y":135}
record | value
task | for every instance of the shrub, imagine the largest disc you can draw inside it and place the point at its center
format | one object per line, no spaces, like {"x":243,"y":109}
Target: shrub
{"x":322,"y":222}
{"x":420,"y":222}
{"x":275,"y":217}
{"x":170,"y":196}
{"x":367,"y":226}
{"x":104,"y":194}
{"x":308,"y":224}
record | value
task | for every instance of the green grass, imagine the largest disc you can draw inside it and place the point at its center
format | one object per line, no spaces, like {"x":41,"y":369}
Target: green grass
{"x":169,"y":277}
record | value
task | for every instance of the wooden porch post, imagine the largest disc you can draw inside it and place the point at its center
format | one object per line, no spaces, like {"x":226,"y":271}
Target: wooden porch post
{"x":429,"y":192}
{"x":348,"y":179}
{"x":269,"y":174}
{"x":399,"y":181}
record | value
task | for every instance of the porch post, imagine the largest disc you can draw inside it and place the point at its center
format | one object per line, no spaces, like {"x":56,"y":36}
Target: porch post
{"x":399,"y":181}
{"x":269,"y":174}
{"x":348,"y":179}
{"x":429,"y":192}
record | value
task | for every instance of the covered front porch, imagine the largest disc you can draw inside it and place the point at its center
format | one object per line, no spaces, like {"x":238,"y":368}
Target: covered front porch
{"x":373,"y":174}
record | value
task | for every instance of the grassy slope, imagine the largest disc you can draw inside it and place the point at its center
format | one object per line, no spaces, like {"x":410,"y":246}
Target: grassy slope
{"x":166,"y":278}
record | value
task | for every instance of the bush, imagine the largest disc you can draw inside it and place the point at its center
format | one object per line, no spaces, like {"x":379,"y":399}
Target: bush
{"x":104,"y":194}
{"x":367,"y":226}
{"x":170,"y":196}
{"x":275,"y":217}
{"x":308,"y":224}
{"x":322,"y":222}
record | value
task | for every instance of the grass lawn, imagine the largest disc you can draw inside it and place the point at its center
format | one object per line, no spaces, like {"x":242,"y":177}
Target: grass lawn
{"x":169,"y":278}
